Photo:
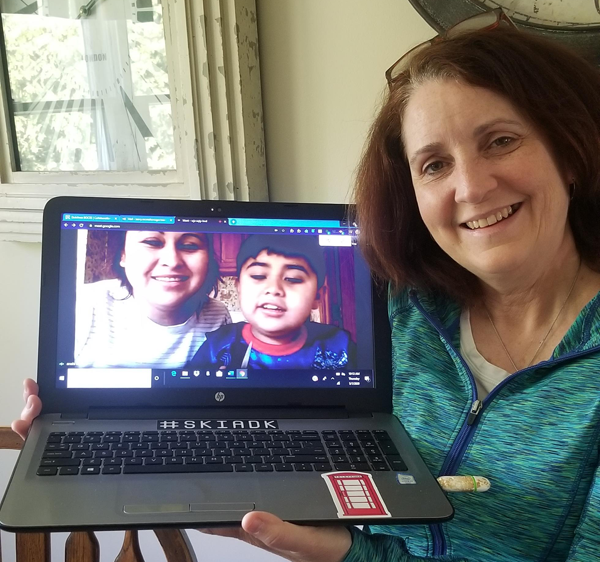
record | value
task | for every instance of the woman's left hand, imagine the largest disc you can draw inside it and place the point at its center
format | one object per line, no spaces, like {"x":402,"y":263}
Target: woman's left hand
{"x":294,"y":542}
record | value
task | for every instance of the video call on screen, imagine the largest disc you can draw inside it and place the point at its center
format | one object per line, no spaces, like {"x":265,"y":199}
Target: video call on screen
{"x":176,"y":302}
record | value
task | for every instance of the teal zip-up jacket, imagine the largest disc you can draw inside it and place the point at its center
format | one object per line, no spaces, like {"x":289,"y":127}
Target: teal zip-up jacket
{"x":536,"y":437}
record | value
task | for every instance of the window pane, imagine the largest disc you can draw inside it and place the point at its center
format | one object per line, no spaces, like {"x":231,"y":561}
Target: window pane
{"x":89,"y":85}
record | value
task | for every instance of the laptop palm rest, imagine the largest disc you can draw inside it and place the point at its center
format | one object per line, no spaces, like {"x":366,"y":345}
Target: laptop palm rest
{"x":221,"y":508}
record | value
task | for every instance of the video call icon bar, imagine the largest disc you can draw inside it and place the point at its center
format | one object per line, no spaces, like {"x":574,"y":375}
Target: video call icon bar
{"x":231,"y":374}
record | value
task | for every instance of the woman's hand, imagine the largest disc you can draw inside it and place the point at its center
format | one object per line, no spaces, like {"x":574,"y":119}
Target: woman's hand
{"x":32,"y":409}
{"x":294,"y":542}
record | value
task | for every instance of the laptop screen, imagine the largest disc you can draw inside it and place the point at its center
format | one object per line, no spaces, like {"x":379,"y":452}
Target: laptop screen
{"x":190,"y":302}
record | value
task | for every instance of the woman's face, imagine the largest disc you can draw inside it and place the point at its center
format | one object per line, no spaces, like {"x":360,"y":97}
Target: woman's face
{"x":487,"y":186}
{"x":165,"y":270}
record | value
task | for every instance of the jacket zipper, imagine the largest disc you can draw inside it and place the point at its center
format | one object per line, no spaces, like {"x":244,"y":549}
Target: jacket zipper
{"x":457,"y":451}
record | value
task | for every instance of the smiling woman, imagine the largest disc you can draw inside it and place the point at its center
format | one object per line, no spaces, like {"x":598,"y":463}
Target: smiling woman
{"x":477,"y":197}
{"x":153,"y":309}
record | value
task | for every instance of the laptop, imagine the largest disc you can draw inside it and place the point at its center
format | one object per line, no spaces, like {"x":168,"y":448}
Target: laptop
{"x":202,"y":359}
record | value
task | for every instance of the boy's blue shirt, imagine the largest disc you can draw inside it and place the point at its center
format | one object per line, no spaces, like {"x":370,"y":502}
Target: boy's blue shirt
{"x":326,"y":347}
{"x":536,"y":438}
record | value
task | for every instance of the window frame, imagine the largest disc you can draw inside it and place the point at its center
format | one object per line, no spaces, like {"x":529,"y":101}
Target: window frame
{"x":214,"y":84}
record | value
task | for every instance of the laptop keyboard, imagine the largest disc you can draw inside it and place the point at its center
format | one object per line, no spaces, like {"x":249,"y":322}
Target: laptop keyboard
{"x":145,"y":452}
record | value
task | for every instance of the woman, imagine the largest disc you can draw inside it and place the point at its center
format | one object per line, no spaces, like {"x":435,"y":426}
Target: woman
{"x":477,"y":197}
{"x":157,"y":311}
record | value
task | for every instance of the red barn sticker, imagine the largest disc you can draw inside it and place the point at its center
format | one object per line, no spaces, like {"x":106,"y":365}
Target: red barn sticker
{"x":355,"y":495}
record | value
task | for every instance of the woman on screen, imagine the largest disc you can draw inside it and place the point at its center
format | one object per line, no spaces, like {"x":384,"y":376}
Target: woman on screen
{"x":156,"y":312}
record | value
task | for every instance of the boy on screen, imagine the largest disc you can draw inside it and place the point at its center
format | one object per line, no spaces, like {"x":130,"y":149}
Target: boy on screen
{"x":280,"y":279}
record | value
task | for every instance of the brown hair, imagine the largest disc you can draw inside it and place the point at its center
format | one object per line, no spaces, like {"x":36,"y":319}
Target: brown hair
{"x":553,"y":87}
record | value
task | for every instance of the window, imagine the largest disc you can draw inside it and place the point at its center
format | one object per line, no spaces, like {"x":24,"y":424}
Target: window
{"x":127,"y":98}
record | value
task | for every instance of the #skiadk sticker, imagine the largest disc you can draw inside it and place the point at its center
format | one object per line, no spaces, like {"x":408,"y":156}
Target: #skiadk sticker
{"x":355,"y":495}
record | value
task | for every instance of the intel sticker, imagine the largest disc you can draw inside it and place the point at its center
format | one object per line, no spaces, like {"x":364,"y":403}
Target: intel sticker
{"x":405,"y":479}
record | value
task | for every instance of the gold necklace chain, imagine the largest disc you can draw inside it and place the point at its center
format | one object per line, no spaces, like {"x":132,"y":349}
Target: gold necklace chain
{"x":547,"y":333}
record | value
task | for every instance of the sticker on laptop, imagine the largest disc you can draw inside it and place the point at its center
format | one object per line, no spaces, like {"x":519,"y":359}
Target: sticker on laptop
{"x":217,"y":424}
{"x":355,"y":495}
{"x":405,"y":479}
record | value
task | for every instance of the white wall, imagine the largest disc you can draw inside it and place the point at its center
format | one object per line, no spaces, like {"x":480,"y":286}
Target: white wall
{"x":322,"y":65}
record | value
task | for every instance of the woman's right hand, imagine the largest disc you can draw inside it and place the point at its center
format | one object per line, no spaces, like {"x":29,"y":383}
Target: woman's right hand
{"x":32,"y":409}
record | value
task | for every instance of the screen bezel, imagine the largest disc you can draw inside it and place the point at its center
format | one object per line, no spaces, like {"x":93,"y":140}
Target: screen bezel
{"x":81,"y":400}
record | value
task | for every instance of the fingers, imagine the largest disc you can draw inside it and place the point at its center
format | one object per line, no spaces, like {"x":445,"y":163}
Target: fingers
{"x":30,"y":388}
{"x":231,"y":532}
{"x":32,"y":409}
{"x":298,"y":543}
{"x":20,"y":428}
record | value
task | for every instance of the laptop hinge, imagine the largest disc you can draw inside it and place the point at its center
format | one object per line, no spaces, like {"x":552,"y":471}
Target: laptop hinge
{"x":215,"y":413}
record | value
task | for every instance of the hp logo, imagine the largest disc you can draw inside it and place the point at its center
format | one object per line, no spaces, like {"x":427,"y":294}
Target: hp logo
{"x":219,"y":396}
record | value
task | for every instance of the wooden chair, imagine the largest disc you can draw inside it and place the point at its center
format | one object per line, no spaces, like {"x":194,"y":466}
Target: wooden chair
{"x":83,"y":546}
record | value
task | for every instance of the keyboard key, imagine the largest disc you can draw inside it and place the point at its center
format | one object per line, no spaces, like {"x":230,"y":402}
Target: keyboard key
{"x":372,"y":450}
{"x":353,"y":451}
{"x":305,"y":458}
{"x":83,"y":455}
{"x":103,"y":454}
{"x":381,"y":435}
{"x":357,"y":458}
{"x":57,"y":455}
{"x":60,"y":462}
{"x":397,"y":465}
{"x":90,"y":470}
{"x":322,"y":467}
{"x":177,"y":468}
{"x":303,"y":467}
{"x":47,"y":471}
{"x":337,"y":452}
{"x":254,"y":459}
{"x":353,"y":466}
{"x":59,"y":447}
{"x":263,"y":467}
{"x":388,"y":448}
{"x":244,"y":468}
{"x":339,"y":458}
{"x":111,"y":470}
{"x":376,"y":459}
{"x":284,"y":468}
{"x":142,"y":454}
